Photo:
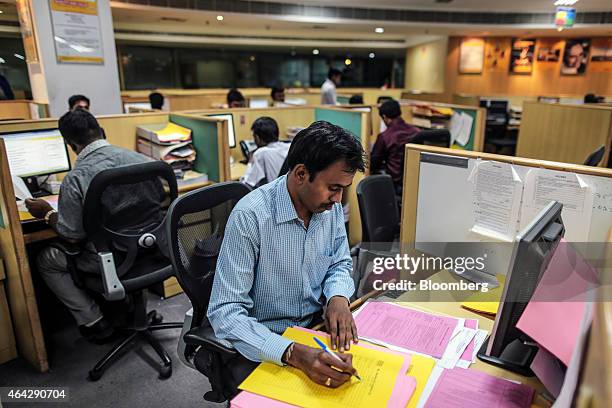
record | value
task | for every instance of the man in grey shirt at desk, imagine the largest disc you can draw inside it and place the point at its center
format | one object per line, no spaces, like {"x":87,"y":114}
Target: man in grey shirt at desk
{"x":83,"y":134}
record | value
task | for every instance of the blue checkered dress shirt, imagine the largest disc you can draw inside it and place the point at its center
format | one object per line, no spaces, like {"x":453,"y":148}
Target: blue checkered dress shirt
{"x":273,"y":273}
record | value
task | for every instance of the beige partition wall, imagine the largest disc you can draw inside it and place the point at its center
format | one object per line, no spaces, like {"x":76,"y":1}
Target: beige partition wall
{"x":564,"y":133}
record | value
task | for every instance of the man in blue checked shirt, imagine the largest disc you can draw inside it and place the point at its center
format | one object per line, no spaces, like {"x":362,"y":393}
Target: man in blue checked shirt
{"x":285,"y":256}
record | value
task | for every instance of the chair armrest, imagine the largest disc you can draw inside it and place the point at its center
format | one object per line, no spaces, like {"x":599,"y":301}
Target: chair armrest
{"x":205,"y":337}
{"x":113,"y":288}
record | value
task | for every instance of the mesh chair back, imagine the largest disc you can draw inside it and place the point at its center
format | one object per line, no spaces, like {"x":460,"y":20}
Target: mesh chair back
{"x":595,"y":157}
{"x":123,"y":204}
{"x":378,"y":208}
{"x":436,"y":137}
{"x":196,"y":225}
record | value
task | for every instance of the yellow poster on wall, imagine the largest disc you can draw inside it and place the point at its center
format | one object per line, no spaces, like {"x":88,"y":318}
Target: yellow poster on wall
{"x":76,"y":29}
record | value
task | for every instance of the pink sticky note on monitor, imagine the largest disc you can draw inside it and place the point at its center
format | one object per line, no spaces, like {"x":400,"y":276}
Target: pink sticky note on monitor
{"x":459,"y":388}
{"x":553,"y":316}
{"x":469,"y":350}
{"x":411,"y":329}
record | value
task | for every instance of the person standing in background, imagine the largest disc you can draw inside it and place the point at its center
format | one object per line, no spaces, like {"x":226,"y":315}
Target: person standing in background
{"x":156,"y":100}
{"x":78,"y":102}
{"x":328,"y":89}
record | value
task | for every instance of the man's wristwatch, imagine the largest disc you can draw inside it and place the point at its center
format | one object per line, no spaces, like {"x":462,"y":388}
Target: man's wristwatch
{"x":48,"y":215}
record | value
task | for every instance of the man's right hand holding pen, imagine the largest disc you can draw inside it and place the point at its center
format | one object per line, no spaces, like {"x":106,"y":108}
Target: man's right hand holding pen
{"x":321,"y":367}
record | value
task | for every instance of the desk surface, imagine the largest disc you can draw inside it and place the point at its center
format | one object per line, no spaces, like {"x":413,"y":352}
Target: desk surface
{"x":453,"y":308}
{"x":237,"y":170}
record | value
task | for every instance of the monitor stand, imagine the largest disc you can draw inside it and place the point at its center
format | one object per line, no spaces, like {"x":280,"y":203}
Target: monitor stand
{"x":32,"y":185}
{"x":516,"y":357}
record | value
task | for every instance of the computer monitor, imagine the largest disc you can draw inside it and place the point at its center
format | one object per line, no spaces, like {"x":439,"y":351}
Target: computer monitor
{"x":231,"y":130}
{"x":506,"y":346}
{"x":258,"y":102}
{"x":36,"y":153}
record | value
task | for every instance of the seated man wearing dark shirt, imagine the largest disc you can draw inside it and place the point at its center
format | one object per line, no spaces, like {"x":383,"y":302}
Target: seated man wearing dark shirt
{"x":83,"y":134}
{"x":388,"y":151}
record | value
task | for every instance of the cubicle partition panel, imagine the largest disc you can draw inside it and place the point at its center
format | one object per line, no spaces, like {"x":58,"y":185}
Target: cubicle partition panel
{"x":357,"y":122}
{"x":286,"y":117}
{"x":18,"y":283}
{"x":21,"y":109}
{"x":564,"y":133}
{"x":210,"y":141}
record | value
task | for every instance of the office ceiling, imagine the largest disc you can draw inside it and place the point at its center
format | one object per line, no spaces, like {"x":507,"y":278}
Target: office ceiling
{"x":514,"y":6}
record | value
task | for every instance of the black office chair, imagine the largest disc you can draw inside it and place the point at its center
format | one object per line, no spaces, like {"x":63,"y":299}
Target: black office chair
{"x":378,"y":209}
{"x":380,"y":221}
{"x":595,"y":158}
{"x":196,"y":225}
{"x":131,"y":248}
{"x":435,"y":137}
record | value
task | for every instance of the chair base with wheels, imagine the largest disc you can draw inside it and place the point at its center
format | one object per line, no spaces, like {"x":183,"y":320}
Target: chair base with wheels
{"x":142,"y":327}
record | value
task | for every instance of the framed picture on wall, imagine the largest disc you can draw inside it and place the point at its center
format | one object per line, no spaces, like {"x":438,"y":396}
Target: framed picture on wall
{"x":602,"y":50}
{"x":521,"y":56}
{"x":471,"y":56}
{"x":575,"y":56}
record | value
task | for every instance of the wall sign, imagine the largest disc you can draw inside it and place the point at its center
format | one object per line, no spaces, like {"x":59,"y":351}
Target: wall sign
{"x":76,"y":29}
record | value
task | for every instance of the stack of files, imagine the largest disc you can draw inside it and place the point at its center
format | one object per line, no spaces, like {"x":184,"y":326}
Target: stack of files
{"x":389,"y":378}
{"x":164,"y":134}
{"x":516,"y":112}
{"x":168,"y":142}
{"x":447,"y":339}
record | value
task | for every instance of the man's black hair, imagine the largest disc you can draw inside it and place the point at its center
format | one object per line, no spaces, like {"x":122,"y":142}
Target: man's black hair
{"x":333,"y":72}
{"x":322,"y":144}
{"x":390,"y":108}
{"x":234,"y":95}
{"x":156,"y":99}
{"x":356,"y":100}
{"x":275,"y":90}
{"x":77,"y":98}
{"x":266,"y":129}
{"x":79,"y":127}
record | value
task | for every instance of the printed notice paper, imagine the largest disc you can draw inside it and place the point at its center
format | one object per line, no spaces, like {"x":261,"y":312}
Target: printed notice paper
{"x":496,"y":200}
{"x":409,"y":329}
{"x":459,"y":388}
{"x":543,"y":186}
{"x":383,"y":374}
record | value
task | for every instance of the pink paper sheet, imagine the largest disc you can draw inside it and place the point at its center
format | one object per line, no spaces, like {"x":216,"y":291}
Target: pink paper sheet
{"x":459,"y":388}
{"x":548,"y":370}
{"x":554,"y":315}
{"x":404,"y":386}
{"x":469,"y":350}
{"x":411,"y":329}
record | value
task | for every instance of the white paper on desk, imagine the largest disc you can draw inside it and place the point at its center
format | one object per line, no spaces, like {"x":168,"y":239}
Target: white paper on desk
{"x":543,"y":186}
{"x":21,"y":190}
{"x":463,"y":135}
{"x":497,"y":192}
{"x":479,"y":339}
{"x":431,"y":383}
{"x":456,"y":347}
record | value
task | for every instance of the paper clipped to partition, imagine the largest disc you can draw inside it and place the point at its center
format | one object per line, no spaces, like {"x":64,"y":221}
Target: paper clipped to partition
{"x":497,"y":191}
{"x":384,"y":380}
{"x":543,"y":186}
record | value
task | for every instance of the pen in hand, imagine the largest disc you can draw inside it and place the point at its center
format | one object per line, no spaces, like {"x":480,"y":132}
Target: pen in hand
{"x":331,"y":353}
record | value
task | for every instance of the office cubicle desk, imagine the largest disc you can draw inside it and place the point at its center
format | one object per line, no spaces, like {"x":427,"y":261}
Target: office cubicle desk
{"x":210,"y":141}
{"x":564,"y":133}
